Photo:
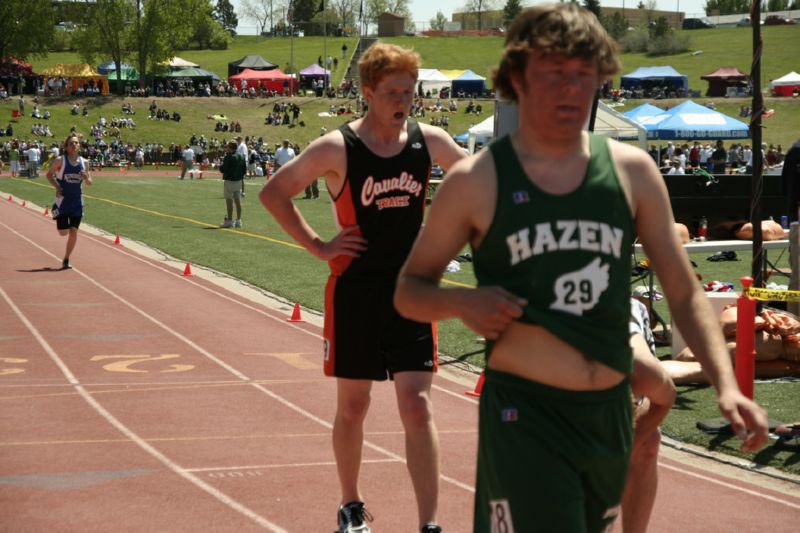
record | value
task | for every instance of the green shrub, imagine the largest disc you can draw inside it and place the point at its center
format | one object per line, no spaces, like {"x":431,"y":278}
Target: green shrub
{"x":635,"y":41}
{"x":668,"y":44}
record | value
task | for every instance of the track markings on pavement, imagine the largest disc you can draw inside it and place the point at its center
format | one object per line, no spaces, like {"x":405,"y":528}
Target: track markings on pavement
{"x":130,"y":434}
{"x":295,"y":359}
{"x":126,"y":361}
{"x":8,"y":371}
{"x":729,"y":485}
{"x":233,"y":371}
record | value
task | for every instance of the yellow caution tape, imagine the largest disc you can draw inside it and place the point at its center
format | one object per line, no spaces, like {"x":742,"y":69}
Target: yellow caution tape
{"x":774,"y":295}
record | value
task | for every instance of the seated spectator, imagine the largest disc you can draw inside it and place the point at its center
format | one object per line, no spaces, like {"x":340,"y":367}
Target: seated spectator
{"x":176,"y":116}
{"x":46,"y":114}
{"x":777,"y":347}
{"x":470,"y":107}
{"x":770,"y":231}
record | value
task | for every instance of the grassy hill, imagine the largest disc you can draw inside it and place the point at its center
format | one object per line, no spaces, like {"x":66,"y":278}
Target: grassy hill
{"x":720,"y":47}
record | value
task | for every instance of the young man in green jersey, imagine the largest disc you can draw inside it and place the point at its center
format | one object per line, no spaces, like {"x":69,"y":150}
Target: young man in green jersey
{"x":551,"y":212}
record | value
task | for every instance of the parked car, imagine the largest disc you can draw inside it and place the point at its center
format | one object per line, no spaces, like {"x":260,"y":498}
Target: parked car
{"x":777,"y":20}
{"x":697,"y":24}
{"x":745,"y":22}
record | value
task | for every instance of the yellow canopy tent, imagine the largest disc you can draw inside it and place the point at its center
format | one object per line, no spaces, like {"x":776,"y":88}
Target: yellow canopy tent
{"x":78,"y":75}
{"x":452,"y":74}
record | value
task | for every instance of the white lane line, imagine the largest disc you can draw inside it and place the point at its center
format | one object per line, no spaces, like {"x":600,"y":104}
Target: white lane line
{"x":286,"y":465}
{"x":230,"y":369}
{"x":729,"y":485}
{"x":163,"y":459}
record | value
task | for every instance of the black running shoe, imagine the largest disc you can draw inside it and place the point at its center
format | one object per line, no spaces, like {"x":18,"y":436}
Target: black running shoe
{"x":65,"y":264}
{"x":353,"y":518}
{"x":430,"y":528}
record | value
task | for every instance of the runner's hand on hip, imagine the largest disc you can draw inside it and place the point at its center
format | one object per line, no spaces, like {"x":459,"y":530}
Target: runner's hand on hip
{"x":347,"y":242}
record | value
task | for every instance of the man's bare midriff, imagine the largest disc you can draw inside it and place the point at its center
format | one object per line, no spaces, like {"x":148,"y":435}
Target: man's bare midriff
{"x":531,"y":352}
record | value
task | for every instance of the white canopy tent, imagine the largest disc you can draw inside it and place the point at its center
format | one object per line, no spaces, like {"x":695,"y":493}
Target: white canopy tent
{"x":617,"y":126}
{"x":607,"y":122}
{"x":432,"y":80}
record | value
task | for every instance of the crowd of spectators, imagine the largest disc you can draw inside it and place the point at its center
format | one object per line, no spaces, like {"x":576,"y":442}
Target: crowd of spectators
{"x":685,"y":158}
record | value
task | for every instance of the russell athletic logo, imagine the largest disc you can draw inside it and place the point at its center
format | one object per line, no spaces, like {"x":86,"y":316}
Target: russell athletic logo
{"x":373,"y":188}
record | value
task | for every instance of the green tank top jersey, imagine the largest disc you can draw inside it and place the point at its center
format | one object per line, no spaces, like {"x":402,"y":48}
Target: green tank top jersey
{"x":568,"y":255}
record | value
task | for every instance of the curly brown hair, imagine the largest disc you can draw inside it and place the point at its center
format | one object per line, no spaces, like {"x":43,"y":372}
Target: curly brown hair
{"x":555,"y":29}
{"x":381,"y":59}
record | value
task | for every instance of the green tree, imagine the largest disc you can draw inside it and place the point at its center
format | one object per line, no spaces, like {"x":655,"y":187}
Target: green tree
{"x":105,"y":34}
{"x":616,"y":25}
{"x":225,"y":15}
{"x":727,"y":7}
{"x":204,"y":31}
{"x":26,"y":28}
{"x":777,"y":5}
{"x":438,"y":22}
{"x":593,"y":6}
{"x":159,"y":29}
{"x":661,"y":28}
{"x":510,"y":11}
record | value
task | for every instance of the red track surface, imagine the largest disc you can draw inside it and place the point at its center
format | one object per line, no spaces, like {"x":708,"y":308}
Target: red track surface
{"x":135,"y":399}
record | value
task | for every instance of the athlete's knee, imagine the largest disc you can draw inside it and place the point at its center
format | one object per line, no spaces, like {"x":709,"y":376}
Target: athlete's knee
{"x":647,"y":451}
{"x":416,"y":410}
{"x":353,"y":409}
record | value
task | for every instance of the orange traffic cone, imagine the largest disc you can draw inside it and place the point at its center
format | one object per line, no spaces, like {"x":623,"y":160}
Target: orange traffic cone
{"x":478,"y":387}
{"x":46,"y":212}
{"x":295,"y":315}
{"x":188,"y":270}
{"x":117,"y":241}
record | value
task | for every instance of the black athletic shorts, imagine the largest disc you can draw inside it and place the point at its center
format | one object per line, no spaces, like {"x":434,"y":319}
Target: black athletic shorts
{"x":67,"y":221}
{"x":366,"y":338}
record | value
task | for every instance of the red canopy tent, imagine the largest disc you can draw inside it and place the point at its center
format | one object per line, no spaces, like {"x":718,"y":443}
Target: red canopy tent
{"x":787,"y":85}
{"x":724,"y":77}
{"x":273,"y":80}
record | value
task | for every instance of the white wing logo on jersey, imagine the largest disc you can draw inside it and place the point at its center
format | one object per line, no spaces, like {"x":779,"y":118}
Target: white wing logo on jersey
{"x":580,"y":291}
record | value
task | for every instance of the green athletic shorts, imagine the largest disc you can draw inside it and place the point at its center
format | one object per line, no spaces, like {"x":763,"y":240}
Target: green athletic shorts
{"x":550,"y":460}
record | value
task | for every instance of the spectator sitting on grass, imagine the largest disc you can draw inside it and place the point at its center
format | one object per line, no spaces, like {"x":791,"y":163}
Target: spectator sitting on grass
{"x":777,"y":347}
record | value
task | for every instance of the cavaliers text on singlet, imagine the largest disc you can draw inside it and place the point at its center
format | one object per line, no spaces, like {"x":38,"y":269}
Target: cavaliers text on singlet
{"x":69,"y":179}
{"x":384,"y":197}
{"x":568,"y":255}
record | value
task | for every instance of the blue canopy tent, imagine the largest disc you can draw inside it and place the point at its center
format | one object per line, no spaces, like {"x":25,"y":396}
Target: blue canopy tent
{"x":648,"y":116}
{"x":649,"y":78}
{"x":470,"y":84}
{"x":694,"y":121}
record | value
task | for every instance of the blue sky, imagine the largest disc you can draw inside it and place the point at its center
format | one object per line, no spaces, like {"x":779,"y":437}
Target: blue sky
{"x":424,"y":10}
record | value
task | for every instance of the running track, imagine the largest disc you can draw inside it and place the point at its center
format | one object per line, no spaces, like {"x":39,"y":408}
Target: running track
{"x":133,"y":398}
